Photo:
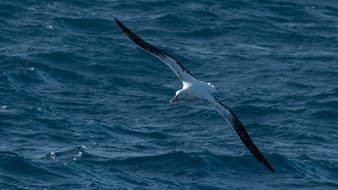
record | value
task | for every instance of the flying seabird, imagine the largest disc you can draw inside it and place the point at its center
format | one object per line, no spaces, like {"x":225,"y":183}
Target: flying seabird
{"x":194,"y":89}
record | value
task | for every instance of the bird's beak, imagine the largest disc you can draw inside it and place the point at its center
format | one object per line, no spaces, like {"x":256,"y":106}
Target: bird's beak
{"x":172,"y":100}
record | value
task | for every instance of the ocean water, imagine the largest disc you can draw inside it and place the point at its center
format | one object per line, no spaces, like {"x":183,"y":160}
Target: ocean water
{"x":81,"y":107}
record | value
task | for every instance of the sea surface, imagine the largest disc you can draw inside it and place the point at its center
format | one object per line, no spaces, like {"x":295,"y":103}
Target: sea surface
{"x":81,"y":107}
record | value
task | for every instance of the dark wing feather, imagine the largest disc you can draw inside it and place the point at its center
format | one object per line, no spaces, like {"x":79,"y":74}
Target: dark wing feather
{"x":236,"y":124}
{"x":182,"y":73}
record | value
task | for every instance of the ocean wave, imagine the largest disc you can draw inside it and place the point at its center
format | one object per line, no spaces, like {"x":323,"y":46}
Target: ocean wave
{"x":22,"y":170}
{"x":190,"y":163}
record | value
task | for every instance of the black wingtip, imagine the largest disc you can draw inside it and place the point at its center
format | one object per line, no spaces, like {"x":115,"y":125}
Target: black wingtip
{"x":129,"y":33}
{"x":266,"y":163}
{"x":269,"y":167}
{"x":259,"y":156}
{"x":245,"y":138}
{"x":263,"y":161}
{"x":118,"y":22}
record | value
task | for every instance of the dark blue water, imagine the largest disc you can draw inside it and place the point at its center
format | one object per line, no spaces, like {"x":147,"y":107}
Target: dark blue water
{"x":81,"y":107}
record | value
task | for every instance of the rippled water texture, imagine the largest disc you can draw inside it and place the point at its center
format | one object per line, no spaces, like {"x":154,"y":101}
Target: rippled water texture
{"x":82,"y":107}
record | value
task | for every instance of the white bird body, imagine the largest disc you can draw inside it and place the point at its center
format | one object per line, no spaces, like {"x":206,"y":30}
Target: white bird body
{"x":194,"y":89}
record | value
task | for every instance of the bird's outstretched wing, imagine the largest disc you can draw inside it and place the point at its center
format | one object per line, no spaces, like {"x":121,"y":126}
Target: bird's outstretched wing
{"x":236,"y":124}
{"x":182,"y":73}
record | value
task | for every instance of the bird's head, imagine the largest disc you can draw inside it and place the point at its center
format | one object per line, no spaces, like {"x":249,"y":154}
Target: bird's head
{"x":180,"y":94}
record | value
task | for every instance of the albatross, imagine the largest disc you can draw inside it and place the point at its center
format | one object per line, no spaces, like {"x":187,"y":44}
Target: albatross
{"x":194,"y":89}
